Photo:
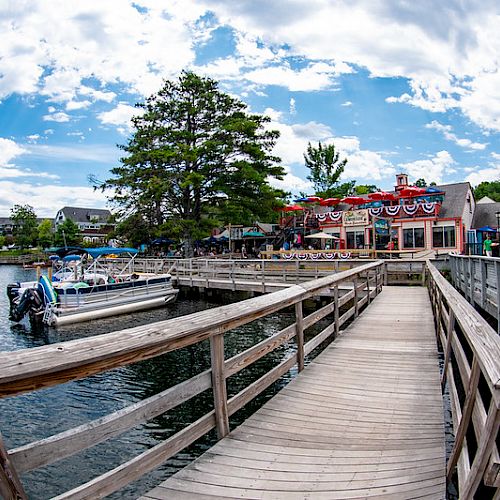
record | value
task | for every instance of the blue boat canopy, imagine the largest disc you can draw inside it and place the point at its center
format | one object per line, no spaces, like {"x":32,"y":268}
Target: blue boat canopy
{"x":97,"y":252}
{"x":71,"y":258}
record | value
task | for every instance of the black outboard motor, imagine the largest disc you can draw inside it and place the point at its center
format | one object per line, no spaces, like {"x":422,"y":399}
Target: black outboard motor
{"x":30,"y":301}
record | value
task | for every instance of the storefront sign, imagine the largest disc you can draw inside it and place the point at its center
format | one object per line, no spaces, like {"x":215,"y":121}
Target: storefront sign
{"x":382,"y":226}
{"x":355,"y":218}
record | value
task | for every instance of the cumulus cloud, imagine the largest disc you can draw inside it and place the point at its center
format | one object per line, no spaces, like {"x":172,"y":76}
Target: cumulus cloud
{"x":60,"y":117}
{"x":434,"y":169}
{"x":486,"y":174}
{"x":120,"y":116}
{"x":9,"y":150}
{"x":446,"y":130}
{"x":60,"y":196}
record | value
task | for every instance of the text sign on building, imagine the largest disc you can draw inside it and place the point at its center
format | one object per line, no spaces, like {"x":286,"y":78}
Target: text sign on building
{"x":355,"y":218}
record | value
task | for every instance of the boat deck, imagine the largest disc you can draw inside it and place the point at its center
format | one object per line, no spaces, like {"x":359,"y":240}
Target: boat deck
{"x":363,"y":420}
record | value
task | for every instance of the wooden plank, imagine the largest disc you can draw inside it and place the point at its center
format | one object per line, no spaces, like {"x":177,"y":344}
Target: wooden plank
{"x":347,"y":425}
{"x":64,"y":444}
{"x":219,"y":385}
{"x":10,"y":484}
{"x":299,"y":332}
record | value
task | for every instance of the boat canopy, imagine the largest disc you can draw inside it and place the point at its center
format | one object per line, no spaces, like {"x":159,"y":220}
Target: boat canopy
{"x":97,"y":252}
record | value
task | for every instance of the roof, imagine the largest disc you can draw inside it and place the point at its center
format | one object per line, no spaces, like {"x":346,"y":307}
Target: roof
{"x":485,"y":199}
{"x":79,"y":214}
{"x":455,"y":199}
{"x":485,"y":215}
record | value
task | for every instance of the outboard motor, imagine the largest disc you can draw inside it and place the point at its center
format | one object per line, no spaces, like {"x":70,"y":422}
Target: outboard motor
{"x":30,"y":301}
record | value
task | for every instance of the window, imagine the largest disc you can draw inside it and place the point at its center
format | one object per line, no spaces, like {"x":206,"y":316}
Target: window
{"x":413,"y":238}
{"x":355,"y":239}
{"x":443,"y":237}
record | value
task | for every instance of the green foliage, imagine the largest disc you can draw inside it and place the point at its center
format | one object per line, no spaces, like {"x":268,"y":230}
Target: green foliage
{"x":421,"y":183}
{"x":45,"y":234}
{"x":326,"y":167}
{"x":67,"y":234}
{"x":366,"y":189}
{"x":195,"y":152}
{"x":2,"y":241}
{"x":490,"y":189}
{"x":25,"y":225}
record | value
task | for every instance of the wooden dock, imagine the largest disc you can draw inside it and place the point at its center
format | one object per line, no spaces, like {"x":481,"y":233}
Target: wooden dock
{"x":363,"y":420}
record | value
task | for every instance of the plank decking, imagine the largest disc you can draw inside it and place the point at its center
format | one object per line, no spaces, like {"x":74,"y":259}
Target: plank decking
{"x":363,"y":420}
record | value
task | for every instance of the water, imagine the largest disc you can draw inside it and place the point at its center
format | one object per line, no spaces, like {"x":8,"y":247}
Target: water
{"x":42,"y":413}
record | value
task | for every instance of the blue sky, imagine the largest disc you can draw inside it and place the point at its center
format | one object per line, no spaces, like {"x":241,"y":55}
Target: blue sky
{"x":398,"y":86}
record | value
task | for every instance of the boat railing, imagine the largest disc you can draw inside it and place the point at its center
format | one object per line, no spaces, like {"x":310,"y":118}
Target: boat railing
{"x":471,"y":370}
{"x":33,"y":369}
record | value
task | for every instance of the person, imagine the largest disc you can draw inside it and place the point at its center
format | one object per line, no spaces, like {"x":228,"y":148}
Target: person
{"x":390,"y":247}
{"x":487,"y":246}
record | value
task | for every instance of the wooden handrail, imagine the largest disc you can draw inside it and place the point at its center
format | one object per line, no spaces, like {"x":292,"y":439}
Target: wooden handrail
{"x":460,"y":329}
{"x":32,"y":369}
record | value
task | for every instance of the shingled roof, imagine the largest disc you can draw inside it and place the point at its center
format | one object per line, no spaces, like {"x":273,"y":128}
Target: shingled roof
{"x":78,"y":214}
{"x":455,"y":199}
{"x":485,"y":215}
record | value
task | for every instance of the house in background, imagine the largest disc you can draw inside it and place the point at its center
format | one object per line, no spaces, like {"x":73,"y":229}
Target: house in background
{"x":7,"y":226}
{"x":94,"y":223}
{"x":485,"y":223}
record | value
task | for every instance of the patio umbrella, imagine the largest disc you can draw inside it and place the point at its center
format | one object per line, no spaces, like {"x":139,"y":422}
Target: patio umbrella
{"x":291,"y":208}
{"x":486,"y":229}
{"x":412,"y":191}
{"x":329,"y":202}
{"x":382,"y":196}
{"x":322,"y":236}
{"x":354,"y":200}
{"x":308,"y":199}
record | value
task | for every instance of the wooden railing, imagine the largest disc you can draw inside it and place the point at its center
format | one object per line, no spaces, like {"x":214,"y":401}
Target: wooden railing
{"x":37,"y":368}
{"x":478,"y":279}
{"x":472,"y":370}
{"x":397,"y":271}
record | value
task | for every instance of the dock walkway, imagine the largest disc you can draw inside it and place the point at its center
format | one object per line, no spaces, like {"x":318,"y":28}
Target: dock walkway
{"x":363,"y":420}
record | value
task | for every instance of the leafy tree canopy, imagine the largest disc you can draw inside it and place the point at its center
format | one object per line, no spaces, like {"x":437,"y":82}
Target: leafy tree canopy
{"x":326,"y":168}
{"x":67,"y":234}
{"x":195,"y":152}
{"x":366,"y":189}
{"x":490,"y":189}
{"x":25,"y":225}
{"x":45,"y":233}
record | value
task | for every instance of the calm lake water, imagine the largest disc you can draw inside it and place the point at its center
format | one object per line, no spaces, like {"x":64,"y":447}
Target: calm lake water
{"x":40,"y":414}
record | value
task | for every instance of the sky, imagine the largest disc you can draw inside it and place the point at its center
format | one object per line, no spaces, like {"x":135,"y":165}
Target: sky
{"x":397,"y":85}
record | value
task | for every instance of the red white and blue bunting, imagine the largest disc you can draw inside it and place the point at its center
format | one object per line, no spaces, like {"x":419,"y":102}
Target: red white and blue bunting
{"x":375,"y":211}
{"x":410,"y":209}
{"x":429,"y":208}
{"x":316,"y":256}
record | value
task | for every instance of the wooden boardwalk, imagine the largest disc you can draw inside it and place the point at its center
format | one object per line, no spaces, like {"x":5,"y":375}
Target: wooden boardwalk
{"x":363,"y":420}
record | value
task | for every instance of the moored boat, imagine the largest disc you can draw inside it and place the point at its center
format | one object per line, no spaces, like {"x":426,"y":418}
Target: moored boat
{"x":85,"y":284}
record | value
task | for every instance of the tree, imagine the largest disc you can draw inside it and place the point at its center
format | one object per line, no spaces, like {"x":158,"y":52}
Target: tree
{"x":326,"y":167}
{"x":67,"y":234}
{"x":421,"y":183}
{"x":45,"y":233}
{"x":25,"y":225}
{"x":366,"y":189}
{"x":194,"y":149}
{"x":490,"y":189}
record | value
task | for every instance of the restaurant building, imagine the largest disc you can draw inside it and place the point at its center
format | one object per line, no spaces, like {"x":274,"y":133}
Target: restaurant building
{"x":429,"y":220}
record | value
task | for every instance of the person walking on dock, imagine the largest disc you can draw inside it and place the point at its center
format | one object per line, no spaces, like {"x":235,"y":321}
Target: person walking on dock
{"x":487,"y":246}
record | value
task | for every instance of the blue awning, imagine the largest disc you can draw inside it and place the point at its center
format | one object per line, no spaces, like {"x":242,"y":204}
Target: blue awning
{"x":97,"y":252}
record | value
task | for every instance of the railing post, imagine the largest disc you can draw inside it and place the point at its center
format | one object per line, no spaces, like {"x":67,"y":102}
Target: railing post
{"x":484,"y":449}
{"x":470,"y":399}
{"x":10,"y":485}
{"x":385,"y":273}
{"x":447,"y":353}
{"x":299,"y":330}
{"x":368,"y":286}
{"x":336,"y":313}
{"x":356,"y":298}
{"x":232,"y":275}
{"x":263,"y":278}
{"x":483,"y":270}
{"x":219,"y":385}
{"x":471,"y":281}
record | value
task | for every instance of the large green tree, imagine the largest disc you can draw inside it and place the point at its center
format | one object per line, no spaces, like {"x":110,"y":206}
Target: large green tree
{"x":45,"y":233}
{"x":25,"y":225}
{"x":326,"y":168}
{"x":195,"y":150}
{"x":490,"y":189}
{"x":67,"y":234}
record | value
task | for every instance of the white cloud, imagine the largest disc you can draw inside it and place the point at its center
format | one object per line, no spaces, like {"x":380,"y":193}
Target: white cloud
{"x":293,"y":109}
{"x":291,"y":183}
{"x":9,"y":150}
{"x":446,"y":130}
{"x":486,"y":174}
{"x":12,"y":193}
{"x":434,"y":169}
{"x":72,"y":105}
{"x":346,"y":104}
{"x":60,"y":117}
{"x":120,"y":116}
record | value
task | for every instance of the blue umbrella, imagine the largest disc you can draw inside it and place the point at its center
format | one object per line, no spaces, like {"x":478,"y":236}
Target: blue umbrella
{"x":487,"y":229}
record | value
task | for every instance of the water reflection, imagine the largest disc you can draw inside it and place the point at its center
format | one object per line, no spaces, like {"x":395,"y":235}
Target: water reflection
{"x":40,"y":414}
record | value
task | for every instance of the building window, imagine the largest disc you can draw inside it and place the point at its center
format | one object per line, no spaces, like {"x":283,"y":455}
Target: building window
{"x":443,"y":237}
{"x":355,"y":239}
{"x":413,"y":238}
